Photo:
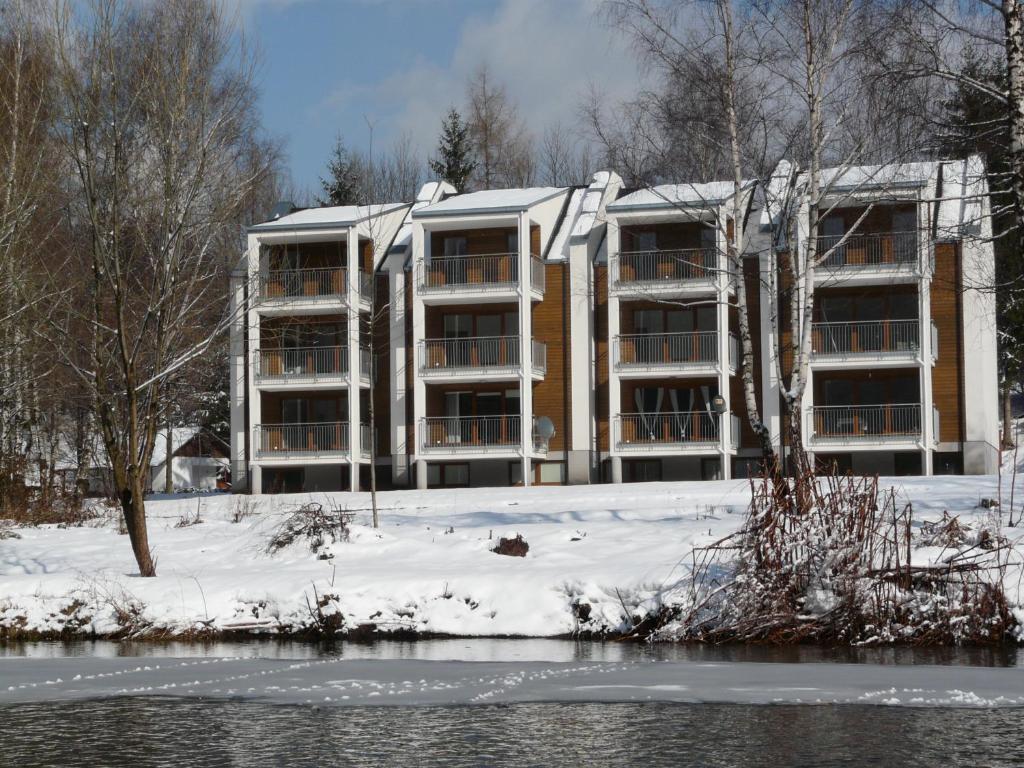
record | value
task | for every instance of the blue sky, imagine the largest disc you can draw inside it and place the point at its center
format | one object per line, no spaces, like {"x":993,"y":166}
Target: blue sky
{"x":327,"y":65}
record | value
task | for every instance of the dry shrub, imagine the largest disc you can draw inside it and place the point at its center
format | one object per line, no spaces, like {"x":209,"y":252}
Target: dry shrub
{"x":515,"y":547}
{"x":828,"y":559}
{"x":314,"y":525}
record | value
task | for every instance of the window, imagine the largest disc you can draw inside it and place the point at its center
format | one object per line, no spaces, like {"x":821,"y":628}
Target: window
{"x":551,"y":473}
{"x":455,"y":246}
{"x":646,"y":240}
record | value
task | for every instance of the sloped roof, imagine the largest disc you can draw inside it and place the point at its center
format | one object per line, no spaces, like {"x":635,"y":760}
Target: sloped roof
{"x":675,"y":196}
{"x":875,"y":176}
{"x":490,"y":201}
{"x":330,"y":217}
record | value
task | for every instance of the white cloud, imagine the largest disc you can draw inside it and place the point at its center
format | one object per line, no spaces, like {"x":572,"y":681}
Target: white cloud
{"x":546,"y":52}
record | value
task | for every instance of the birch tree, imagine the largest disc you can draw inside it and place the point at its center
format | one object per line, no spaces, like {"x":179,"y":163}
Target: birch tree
{"x":156,"y":123}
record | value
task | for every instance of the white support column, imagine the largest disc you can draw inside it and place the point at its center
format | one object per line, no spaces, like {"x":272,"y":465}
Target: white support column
{"x":420,"y":256}
{"x":354,"y":419}
{"x":614,"y":320}
{"x":258,"y":264}
{"x":525,"y":348}
{"x":238,"y":392}
{"x":769,"y":367}
{"x":396,"y":385}
{"x":722,"y":319}
{"x":928,"y":436}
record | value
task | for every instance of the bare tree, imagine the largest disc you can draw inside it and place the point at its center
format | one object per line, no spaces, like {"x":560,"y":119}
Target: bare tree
{"x":563,"y":158}
{"x":503,"y":146}
{"x":157,"y":123}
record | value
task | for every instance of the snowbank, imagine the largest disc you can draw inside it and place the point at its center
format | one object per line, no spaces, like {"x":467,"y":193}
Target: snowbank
{"x":599,"y":557}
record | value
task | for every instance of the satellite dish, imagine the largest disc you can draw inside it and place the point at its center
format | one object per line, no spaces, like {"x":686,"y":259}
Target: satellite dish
{"x":544,"y":427}
{"x":718,"y":404}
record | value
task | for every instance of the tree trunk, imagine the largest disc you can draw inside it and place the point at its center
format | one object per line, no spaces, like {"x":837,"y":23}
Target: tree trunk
{"x":169,"y":463}
{"x":1013,"y":17}
{"x":133,"y":505}
{"x":1008,"y":436}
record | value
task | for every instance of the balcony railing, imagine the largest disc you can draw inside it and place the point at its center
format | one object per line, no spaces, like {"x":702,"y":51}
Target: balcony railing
{"x":667,"y":349}
{"x":285,"y":363}
{"x":488,"y":353}
{"x":303,"y":283}
{"x":868,"y":422}
{"x":311,"y":439}
{"x":486,"y":272}
{"x":889,"y":249}
{"x":639,"y":430}
{"x":661,"y":267}
{"x":866,"y":338}
{"x":470,"y":433}
{"x":365,"y":440}
{"x":300,"y":362}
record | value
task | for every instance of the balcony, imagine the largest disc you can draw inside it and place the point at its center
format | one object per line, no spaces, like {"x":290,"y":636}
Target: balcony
{"x":867,"y":257}
{"x":480,"y":357}
{"x":308,"y":290}
{"x":308,"y":442}
{"x":490,"y":277}
{"x":660,"y":272}
{"x":677,"y":432}
{"x":644,"y":354}
{"x":287,"y":367}
{"x":852,"y":424}
{"x":875,"y":341}
{"x":481,"y":435}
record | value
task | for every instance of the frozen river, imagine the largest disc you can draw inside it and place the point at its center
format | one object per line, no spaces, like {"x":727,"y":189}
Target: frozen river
{"x":505,"y":703}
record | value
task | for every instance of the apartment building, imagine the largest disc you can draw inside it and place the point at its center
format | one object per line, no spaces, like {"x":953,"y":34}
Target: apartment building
{"x":903,"y":374}
{"x":577,"y":335}
{"x":301,"y":367}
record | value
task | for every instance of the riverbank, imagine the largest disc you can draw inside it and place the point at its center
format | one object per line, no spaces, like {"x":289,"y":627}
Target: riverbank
{"x":601,"y":559}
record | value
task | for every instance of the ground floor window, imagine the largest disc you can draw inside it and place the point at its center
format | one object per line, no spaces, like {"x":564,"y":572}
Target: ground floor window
{"x":283,"y":480}
{"x":448,"y":475}
{"x":642,"y":471}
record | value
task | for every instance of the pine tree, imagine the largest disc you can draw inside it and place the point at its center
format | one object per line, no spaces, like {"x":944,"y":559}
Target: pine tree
{"x":454,"y":163}
{"x":975,"y":122}
{"x":345,"y":183}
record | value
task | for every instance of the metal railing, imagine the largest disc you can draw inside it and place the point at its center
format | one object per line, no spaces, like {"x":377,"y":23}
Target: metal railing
{"x":935,"y":342}
{"x":366,"y":286}
{"x":734,"y":352}
{"x":470,"y":433}
{"x":867,"y":421}
{"x":682,"y":427}
{"x":664,"y":266}
{"x":325,"y":437}
{"x":888,"y":249}
{"x":302,"y":283}
{"x":365,"y":440}
{"x":540,"y":356}
{"x":300,"y":362}
{"x":666,"y":349}
{"x":734,"y":430}
{"x":867,"y":337}
{"x":469,"y":353}
{"x":471,"y":273}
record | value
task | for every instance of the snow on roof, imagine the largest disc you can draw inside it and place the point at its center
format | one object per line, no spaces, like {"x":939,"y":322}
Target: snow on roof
{"x":179,"y":436}
{"x":428,"y":193}
{"x":490,"y":201}
{"x":330,"y":217}
{"x":676,"y":195}
{"x":963,"y":190}
{"x":776,"y":194}
{"x":580,"y":215}
{"x":875,"y":176}
{"x":560,"y":245}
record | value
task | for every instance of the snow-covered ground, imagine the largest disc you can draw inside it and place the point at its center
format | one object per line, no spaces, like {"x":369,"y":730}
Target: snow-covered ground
{"x":346,"y":682}
{"x":428,"y":568}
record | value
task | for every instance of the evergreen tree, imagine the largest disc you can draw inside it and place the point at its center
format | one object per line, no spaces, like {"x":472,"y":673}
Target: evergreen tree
{"x":973,"y":122}
{"x":454,"y":162}
{"x":346,"y":180}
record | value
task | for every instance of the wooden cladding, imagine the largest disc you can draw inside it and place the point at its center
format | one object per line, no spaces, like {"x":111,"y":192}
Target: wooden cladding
{"x":947,"y":314}
{"x":550,"y":325}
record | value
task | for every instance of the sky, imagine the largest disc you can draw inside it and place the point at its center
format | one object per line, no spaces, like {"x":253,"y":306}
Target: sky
{"x":330,"y":66}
